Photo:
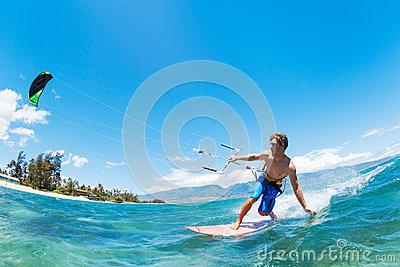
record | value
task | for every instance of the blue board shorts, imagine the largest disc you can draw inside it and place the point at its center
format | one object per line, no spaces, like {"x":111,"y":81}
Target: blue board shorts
{"x":268,"y":192}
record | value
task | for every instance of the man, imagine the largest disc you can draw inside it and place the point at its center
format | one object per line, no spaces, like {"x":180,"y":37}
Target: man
{"x":277,"y":167}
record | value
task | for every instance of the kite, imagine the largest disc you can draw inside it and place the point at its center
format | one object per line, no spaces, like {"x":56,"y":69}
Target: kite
{"x":37,"y":87}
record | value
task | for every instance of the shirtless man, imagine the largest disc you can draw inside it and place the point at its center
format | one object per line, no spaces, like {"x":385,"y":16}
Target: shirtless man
{"x":277,"y":167}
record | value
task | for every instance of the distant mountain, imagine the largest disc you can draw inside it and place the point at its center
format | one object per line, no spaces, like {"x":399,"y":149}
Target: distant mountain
{"x":214,"y":192}
{"x":202,"y":193}
{"x":239,"y":190}
{"x":188,"y":194}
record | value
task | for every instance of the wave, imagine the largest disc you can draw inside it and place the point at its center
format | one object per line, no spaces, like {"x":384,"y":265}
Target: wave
{"x":325,"y":186}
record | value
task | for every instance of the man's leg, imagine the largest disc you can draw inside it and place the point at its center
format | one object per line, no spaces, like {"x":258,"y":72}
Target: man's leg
{"x":271,"y":214}
{"x":245,"y":209}
{"x":267,"y":204}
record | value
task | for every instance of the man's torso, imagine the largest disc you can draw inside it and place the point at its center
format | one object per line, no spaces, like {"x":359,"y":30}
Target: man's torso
{"x":277,"y":169}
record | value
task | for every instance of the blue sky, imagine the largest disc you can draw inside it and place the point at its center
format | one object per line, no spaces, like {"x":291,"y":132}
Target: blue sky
{"x":330,"y":71}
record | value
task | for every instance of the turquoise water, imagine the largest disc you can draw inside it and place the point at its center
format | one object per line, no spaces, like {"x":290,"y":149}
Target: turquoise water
{"x":359,"y":212}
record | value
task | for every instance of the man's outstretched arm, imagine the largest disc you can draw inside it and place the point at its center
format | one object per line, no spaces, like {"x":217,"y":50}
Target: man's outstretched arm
{"x":297,"y":189}
{"x":250,"y":157}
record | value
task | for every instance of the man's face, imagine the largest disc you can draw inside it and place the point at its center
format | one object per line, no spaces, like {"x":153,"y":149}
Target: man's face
{"x":275,"y":146}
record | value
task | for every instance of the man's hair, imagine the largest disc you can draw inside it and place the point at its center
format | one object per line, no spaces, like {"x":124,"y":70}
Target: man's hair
{"x":281,"y":139}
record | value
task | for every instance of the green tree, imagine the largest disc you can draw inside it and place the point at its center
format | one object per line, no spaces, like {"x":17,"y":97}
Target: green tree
{"x":18,"y":168}
{"x":71,"y":185}
{"x":45,"y":172}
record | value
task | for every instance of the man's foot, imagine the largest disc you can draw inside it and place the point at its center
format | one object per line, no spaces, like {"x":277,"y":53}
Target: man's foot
{"x":273,"y":216}
{"x":236,"y":225}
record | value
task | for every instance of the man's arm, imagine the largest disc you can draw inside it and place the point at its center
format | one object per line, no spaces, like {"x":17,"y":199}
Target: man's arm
{"x":297,"y":189}
{"x":250,"y":157}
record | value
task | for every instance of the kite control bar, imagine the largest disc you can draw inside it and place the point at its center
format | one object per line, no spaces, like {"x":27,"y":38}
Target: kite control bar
{"x":232,"y":148}
{"x":236,"y":151}
{"x":212,"y":170}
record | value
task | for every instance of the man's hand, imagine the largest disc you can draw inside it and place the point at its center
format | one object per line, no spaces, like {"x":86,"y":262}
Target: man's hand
{"x":233,"y":158}
{"x":311,"y":211}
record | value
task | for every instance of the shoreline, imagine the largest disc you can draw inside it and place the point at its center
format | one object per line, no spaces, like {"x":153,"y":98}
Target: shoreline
{"x":30,"y":190}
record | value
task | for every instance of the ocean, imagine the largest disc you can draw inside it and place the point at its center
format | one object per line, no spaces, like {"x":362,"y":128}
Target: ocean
{"x":358,"y":222}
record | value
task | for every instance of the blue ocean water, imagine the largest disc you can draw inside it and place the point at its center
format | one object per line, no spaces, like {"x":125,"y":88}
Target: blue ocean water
{"x":358,"y":215}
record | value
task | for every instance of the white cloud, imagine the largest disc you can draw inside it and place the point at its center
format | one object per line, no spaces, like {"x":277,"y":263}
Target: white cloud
{"x":387,"y":152}
{"x":23,"y":131}
{"x":183,"y":178}
{"x":327,"y":158}
{"x":21,"y":76}
{"x":11,"y":111}
{"x":26,"y":135}
{"x":346,"y":143}
{"x":391,"y":150}
{"x":76,"y":160}
{"x":187,"y":178}
{"x":30,"y":115}
{"x":9,"y":143}
{"x":379,"y":131}
{"x":8,"y":105}
{"x":4,"y":137}
{"x":180,"y":159}
{"x":23,"y":141}
{"x":111,"y":165}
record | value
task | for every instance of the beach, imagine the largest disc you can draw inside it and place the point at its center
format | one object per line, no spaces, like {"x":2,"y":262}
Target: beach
{"x":28,"y":189}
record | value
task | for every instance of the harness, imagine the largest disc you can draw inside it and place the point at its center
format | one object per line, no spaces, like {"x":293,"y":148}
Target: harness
{"x":275,"y":183}
{"x":271,"y":181}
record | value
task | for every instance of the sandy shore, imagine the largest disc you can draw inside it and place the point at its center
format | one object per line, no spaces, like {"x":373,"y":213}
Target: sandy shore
{"x":28,"y":189}
{"x":37,"y":192}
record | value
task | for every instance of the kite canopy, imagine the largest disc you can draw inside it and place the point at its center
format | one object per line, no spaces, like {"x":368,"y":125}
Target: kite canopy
{"x":37,"y":87}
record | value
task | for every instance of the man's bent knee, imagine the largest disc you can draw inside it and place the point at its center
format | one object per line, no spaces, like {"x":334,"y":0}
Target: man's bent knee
{"x":262,"y":213}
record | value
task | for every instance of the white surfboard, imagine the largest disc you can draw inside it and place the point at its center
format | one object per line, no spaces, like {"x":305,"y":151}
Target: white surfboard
{"x":246,"y":227}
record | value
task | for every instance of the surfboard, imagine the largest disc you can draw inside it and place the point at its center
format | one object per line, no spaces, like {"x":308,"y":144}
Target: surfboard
{"x":246,"y":227}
